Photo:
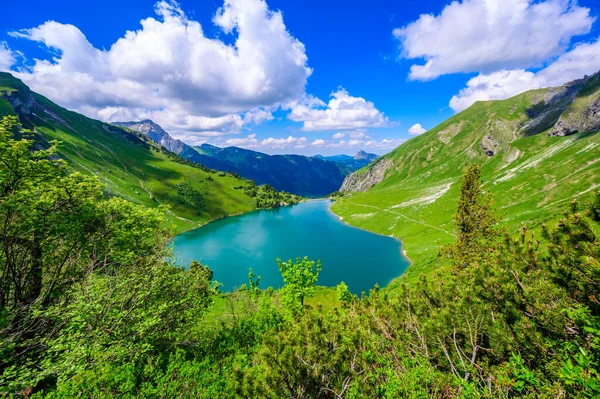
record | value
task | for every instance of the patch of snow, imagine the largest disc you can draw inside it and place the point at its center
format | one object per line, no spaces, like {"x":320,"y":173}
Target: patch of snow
{"x":431,"y":195}
{"x":588,"y":147}
{"x":536,"y":159}
{"x":362,"y":215}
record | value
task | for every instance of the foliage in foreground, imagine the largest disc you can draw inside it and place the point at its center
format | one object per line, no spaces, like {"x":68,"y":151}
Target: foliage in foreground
{"x":92,"y":307}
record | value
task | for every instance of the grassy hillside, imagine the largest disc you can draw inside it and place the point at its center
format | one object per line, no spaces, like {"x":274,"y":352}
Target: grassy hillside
{"x":128,"y":164}
{"x":532,"y":176}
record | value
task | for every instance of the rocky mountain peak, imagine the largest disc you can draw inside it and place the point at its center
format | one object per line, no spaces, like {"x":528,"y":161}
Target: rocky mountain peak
{"x":156,"y":134}
{"x":364,"y":155}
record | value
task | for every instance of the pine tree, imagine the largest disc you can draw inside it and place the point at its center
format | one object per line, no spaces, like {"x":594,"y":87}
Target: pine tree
{"x":475,"y":219}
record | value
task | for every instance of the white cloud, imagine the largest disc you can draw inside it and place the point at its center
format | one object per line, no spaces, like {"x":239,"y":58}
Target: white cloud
{"x":292,"y":144}
{"x":169,"y":69}
{"x":258,"y":116}
{"x":342,"y":112}
{"x":251,"y":142}
{"x":490,"y":35}
{"x":247,"y":142}
{"x":290,"y":141}
{"x":584,"y":59}
{"x":372,"y":145}
{"x":416,"y":129}
{"x":353,"y":134}
{"x":7,"y":58}
{"x":382,"y":145}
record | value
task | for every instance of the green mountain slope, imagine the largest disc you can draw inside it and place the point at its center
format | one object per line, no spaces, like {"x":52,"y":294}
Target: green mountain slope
{"x":128,"y":163}
{"x":538,"y":151}
{"x":298,"y":174}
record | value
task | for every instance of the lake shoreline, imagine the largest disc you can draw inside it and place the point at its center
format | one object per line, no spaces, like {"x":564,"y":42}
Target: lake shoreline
{"x":253,"y":239}
{"x":239,"y":214}
{"x":402,"y":252}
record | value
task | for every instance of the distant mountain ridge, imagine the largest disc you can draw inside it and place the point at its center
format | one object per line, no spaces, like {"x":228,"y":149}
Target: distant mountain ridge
{"x":360,"y":160}
{"x":296,"y":174}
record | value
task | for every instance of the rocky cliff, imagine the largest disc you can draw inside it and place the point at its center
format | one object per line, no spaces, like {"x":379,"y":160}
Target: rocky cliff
{"x":367,"y":179}
{"x":583,"y":113}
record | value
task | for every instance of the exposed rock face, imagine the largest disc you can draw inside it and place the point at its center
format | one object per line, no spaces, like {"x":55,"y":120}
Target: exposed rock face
{"x":446,"y":135}
{"x":546,"y":112}
{"x":362,"y":155}
{"x":489,"y":145}
{"x":583,"y":120}
{"x":23,"y":103}
{"x":156,"y":133}
{"x":160,"y":136}
{"x":366,"y":180}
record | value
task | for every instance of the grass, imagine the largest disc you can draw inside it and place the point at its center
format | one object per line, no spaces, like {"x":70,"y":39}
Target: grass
{"x":532,"y":179}
{"x":131,"y":166}
{"x":5,"y":107}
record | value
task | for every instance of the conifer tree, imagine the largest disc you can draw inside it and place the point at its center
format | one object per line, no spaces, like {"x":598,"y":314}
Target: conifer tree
{"x":475,"y":219}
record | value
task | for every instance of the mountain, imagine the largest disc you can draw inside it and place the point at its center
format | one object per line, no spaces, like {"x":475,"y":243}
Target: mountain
{"x":538,"y":151}
{"x":360,"y":160}
{"x":160,"y":136}
{"x":129,"y":164}
{"x":297,"y":174}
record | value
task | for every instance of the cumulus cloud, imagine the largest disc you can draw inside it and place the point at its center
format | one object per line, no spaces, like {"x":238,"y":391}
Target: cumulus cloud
{"x":247,"y":142}
{"x":372,"y":145}
{"x":293,"y":144}
{"x":290,"y":141}
{"x":169,"y":70}
{"x":338,"y":136}
{"x":489,"y":35}
{"x":416,"y":129}
{"x":251,"y":142}
{"x":7,"y":57}
{"x":584,"y":59}
{"x":342,"y":112}
{"x":258,"y":116}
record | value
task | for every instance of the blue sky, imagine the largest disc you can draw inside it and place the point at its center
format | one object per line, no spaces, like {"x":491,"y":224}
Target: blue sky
{"x":294,"y":77}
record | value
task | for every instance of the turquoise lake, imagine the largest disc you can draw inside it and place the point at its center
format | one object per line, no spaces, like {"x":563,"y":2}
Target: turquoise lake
{"x":231,"y":246}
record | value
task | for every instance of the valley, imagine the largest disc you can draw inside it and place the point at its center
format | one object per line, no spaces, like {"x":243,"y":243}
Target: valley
{"x":309,"y":200}
{"x":301,"y":175}
{"x":130,"y":165}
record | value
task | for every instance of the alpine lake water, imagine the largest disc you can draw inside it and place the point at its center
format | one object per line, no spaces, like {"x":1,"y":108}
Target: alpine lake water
{"x":233,"y":245}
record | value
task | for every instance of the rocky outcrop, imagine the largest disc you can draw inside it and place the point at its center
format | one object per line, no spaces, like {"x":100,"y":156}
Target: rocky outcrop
{"x":586,"y":119}
{"x":160,"y":136}
{"x":489,"y":145}
{"x":365,"y":156}
{"x":23,"y":103}
{"x":363,"y":180}
{"x":549,"y":107}
{"x":156,"y":133}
